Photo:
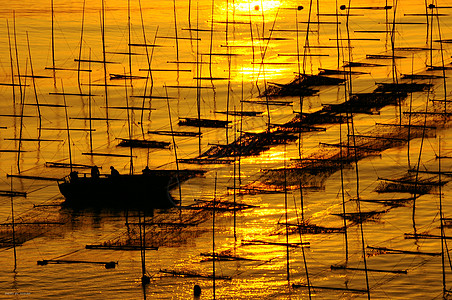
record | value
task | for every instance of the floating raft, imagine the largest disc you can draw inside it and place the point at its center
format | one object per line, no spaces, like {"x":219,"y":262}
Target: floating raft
{"x":50,"y":164}
{"x":384,"y":250}
{"x":119,"y":247}
{"x":13,"y":194}
{"x":108,"y":265}
{"x":328,"y":288}
{"x":33,"y":177}
{"x":193,"y":274}
{"x":205,"y":161}
{"x":300,"y":86}
{"x":121,"y":76}
{"x":420,"y":76}
{"x":383,"y":56}
{"x":259,"y":242}
{"x":361,"y":217}
{"x":269,"y":102}
{"x":387,"y":87}
{"x":220,"y":205}
{"x":203,"y":123}
{"x":241,"y":113}
{"x":314,"y":229}
{"x":175,"y":133}
{"x":408,"y":184}
{"x":137,"y":143}
{"x":352,"y":64}
{"x":224,"y":256}
{"x":425,"y":236}
{"x":340,"y":267}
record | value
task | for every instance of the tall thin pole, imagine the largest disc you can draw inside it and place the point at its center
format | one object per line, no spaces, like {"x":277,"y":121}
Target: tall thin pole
{"x":287,"y":221}
{"x":174,"y":146}
{"x":213,"y":234}
{"x":13,"y":225}
{"x":343,"y":192}
{"x":175,"y":32}
{"x":34,"y":85}
{"x":67,"y":126}
{"x":81,"y":45}
{"x":356,"y":162}
{"x":130,"y":41}
{"x":11,"y":64}
{"x":129,"y":124}
{"x":17,"y":56}
{"x":89,"y":107}
{"x":234,"y":187}
{"x":102,"y":28}
{"x":441,"y":219}
{"x":53,"y":42}
{"x":22,"y":105}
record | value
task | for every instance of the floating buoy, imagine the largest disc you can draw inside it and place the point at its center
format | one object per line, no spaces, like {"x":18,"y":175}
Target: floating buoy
{"x":197,"y":290}
{"x":110,"y":265}
{"x":256,"y":7}
{"x":145,"y":279}
{"x":42,"y":262}
{"x":300,"y":7}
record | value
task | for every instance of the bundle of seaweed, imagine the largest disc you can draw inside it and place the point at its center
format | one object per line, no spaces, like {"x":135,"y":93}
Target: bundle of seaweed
{"x":308,"y":119}
{"x":249,"y":144}
{"x":300,"y":85}
{"x":285,"y":90}
{"x":333,"y":113}
{"x":137,"y":143}
{"x":315,"y":80}
{"x":293,"y":178}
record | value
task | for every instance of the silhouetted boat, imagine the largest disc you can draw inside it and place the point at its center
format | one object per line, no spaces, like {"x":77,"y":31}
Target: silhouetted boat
{"x":150,"y":191}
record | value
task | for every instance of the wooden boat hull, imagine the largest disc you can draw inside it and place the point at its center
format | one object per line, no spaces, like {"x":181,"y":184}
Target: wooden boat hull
{"x":139,"y":191}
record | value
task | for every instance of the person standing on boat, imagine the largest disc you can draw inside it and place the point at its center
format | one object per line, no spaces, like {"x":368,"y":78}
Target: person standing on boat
{"x":114,"y":172}
{"x":95,"y":172}
{"x":73,"y":176}
{"x":146,"y":171}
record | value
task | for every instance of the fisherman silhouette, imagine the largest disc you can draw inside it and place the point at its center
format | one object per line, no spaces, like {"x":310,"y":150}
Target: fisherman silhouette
{"x":95,"y":172}
{"x":146,"y":171}
{"x":73,"y":175}
{"x":114,"y":172}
